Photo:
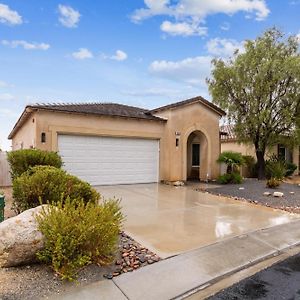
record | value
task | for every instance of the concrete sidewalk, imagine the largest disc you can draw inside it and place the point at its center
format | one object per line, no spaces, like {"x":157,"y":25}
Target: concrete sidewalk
{"x":182,"y":275}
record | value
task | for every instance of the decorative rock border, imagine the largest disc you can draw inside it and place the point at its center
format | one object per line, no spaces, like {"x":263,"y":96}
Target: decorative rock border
{"x":131,"y":257}
{"x":290,"y":209}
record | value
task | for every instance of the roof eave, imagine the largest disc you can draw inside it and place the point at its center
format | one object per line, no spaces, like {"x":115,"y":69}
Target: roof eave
{"x":22,"y":119}
{"x":216,"y":109}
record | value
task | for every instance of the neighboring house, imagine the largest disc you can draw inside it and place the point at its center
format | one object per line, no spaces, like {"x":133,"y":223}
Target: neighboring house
{"x":108,"y":143}
{"x":229,"y":142}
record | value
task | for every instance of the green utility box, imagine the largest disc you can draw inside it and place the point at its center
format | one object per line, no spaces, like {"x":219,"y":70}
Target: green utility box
{"x":2,"y":204}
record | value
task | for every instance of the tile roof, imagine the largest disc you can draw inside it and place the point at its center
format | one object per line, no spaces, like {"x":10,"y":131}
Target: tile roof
{"x":102,"y":109}
{"x":190,"y":101}
{"x":227,"y":133}
{"x":108,"y":109}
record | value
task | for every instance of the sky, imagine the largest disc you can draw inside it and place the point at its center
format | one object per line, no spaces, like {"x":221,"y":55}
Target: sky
{"x":142,"y":53}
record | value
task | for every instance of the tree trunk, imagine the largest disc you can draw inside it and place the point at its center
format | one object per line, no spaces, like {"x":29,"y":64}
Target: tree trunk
{"x":261,"y":165}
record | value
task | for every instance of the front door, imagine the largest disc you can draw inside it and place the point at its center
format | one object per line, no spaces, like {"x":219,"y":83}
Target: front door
{"x":195,"y":161}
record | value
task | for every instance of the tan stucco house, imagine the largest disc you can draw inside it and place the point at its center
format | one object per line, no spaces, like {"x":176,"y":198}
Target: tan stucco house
{"x":229,"y":143}
{"x":108,"y":143}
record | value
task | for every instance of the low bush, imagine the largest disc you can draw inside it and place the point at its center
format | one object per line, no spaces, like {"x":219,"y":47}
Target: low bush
{"x":77,"y":234}
{"x":290,"y":168}
{"x":273,"y":183}
{"x":250,"y":163}
{"x":44,"y":184}
{"x":235,"y":178}
{"x":275,"y":168}
{"x":22,"y":160}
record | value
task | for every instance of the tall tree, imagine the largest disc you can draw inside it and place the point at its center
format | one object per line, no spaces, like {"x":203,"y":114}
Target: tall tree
{"x":260,"y":91}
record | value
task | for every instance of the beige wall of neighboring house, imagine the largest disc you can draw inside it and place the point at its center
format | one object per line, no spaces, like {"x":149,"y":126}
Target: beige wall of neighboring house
{"x":177,"y":127}
{"x":229,"y":143}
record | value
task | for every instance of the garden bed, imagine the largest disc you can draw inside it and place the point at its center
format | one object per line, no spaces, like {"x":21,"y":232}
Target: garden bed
{"x":253,"y":190}
{"x":38,"y":281}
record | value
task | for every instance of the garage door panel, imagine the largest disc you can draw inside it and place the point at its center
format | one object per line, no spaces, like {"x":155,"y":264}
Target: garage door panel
{"x":108,"y":160}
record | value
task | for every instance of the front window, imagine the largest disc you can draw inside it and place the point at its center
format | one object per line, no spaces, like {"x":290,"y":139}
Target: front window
{"x":196,"y":155}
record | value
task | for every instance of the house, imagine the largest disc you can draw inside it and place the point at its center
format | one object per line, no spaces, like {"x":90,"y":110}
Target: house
{"x":229,"y":143}
{"x":109,"y":143}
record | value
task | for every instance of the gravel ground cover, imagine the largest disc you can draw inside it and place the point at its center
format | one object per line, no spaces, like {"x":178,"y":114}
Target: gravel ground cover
{"x":252,"y":190}
{"x":280,"y":281}
{"x":39,"y":281}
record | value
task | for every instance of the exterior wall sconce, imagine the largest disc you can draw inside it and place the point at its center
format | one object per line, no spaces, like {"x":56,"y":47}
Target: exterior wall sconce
{"x":177,"y":135}
{"x":43,"y":137}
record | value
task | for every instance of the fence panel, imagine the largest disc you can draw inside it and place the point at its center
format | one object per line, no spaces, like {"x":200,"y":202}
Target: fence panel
{"x":5,"y":179}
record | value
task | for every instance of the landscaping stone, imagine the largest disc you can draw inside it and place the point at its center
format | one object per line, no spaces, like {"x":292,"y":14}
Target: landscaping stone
{"x":278,"y":194}
{"x":254,"y":193}
{"x":174,"y":183}
{"x":132,"y":256}
{"x":20,"y":239}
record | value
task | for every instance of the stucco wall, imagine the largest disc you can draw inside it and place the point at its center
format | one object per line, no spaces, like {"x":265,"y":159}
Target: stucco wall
{"x":234,"y":146}
{"x":173,"y":160}
{"x":185,"y":120}
{"x":250,"y":150}
{"x":26,"y":135}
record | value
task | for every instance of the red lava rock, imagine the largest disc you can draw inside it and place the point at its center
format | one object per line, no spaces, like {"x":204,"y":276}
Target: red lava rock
{"x":133,"y":256}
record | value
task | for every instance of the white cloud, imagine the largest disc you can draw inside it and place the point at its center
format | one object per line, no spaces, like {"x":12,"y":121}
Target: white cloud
{"x":6,"y":97}
{"x":82,"y":53}
{"x":201,"y":9}
{"x":182,"y":28}
{"x":4,"y":84}
{"x":194,"y":12}
{"x":224,"y":47}
{"x":119,"y":55}
{"x":225,"y":26}
{"x":69,"y":17}
{"x":191,"y":70}
{"x":9,"y":16}
{"x":25,"y":45}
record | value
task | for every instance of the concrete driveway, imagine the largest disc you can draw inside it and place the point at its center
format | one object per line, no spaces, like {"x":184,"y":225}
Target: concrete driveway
{"x":172,"y":220}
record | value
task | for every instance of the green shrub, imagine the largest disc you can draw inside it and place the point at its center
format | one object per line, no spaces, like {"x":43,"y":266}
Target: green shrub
{"x":273,"y":183}
{"x":235,"y":178}
{"x":275,"y":168}
{"x":233,"y":160}
{"x":77,"y":234}
{"x":22,"y":160}
{"x":43,"y":184}
{"x":290,"y":168}
{"x":250,"y":163}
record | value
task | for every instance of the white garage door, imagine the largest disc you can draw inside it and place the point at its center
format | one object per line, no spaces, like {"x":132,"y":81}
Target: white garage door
{"x":109,"y":160}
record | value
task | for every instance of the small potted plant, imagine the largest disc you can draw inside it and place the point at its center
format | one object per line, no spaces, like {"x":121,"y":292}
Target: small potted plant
{"x":2,"y":204}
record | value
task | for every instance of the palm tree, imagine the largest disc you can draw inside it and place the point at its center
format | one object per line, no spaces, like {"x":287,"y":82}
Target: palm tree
{"x":233,"y":161}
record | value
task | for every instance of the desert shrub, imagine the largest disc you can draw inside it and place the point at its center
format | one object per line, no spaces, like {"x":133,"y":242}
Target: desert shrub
{"x":235,"y":178}
{"x":224,"y":179}
{"x":233,"y":160}
{"x":43,"y":184}
{"x":275,"y":168}
{"x":250,"y":163}
{"x":290,"y":168}
{"x":22,"y":160}
{"x":77,"y":234}
{"x":273,"y":183}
